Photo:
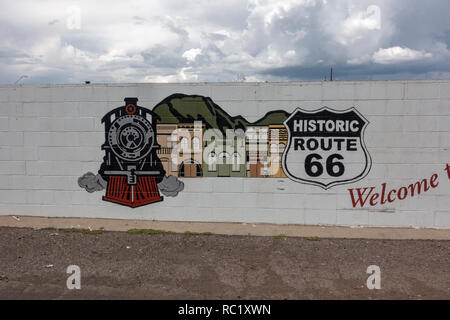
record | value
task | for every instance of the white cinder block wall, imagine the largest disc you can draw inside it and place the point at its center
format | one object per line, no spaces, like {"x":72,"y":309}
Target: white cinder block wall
{"x":51,"y":134}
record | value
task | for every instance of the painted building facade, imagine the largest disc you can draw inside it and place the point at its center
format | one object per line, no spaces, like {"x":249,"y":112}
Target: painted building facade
{"x":190,"y":155}
{"x":225,"y":157}
{"x":256,"y":151}
{"x":181,"y":151}
{"x":277,"y":141}
{"x":167,"y":142}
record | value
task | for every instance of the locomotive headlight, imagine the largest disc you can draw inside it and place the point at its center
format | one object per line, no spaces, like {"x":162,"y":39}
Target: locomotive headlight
{"x":131,"y":137}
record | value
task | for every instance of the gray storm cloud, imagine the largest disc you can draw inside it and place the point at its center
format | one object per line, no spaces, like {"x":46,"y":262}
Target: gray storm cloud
{"x":91,"y":182}
{"x":171,"y":186}
{"x":235,"y":40}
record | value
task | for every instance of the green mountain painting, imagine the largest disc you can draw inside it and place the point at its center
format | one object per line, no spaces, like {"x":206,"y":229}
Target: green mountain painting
{"x":181,"y":108}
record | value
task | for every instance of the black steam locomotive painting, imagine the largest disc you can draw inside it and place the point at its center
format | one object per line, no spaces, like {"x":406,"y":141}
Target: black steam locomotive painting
{"x":131,"y":167}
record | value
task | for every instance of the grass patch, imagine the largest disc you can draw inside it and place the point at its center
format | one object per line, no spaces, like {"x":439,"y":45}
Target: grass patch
{"x":49,"y":228}
{"x":149,"y":231}
{"x":84,"y":231}
{"x":278,"y":237}
{"x":190,"y":233}
{"x":313,"y":238}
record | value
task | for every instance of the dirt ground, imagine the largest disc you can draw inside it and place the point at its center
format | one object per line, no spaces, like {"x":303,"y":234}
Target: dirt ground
{"x":119,"y":265}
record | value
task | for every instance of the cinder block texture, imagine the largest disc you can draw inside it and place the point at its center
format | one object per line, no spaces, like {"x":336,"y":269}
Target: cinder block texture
{"x":52,"y":134}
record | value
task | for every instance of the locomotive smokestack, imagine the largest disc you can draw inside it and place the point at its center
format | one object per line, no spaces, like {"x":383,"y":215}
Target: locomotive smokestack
{"x":132,"y":101}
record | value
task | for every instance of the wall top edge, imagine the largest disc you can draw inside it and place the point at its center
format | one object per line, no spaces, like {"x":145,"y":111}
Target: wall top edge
{"x":243,"y":84}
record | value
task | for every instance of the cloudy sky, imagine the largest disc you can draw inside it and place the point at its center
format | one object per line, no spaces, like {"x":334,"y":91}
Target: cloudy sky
{"x":229,"y":40}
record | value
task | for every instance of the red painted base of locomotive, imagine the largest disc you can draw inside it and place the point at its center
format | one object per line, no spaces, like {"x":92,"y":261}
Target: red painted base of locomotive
{"x":144,"y":192}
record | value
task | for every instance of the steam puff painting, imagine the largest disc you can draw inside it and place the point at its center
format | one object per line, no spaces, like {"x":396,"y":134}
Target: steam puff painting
{"x":91,"y":182}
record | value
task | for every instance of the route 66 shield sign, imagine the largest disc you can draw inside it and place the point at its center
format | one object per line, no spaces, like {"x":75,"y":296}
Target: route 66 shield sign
{"x":326,"y":147}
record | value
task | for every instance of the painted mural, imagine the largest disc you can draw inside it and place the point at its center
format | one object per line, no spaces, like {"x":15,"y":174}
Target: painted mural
{"x":149,"y":152}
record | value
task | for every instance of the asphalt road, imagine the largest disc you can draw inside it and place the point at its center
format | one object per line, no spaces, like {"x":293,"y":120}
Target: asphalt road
{"x":119,"y":265}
